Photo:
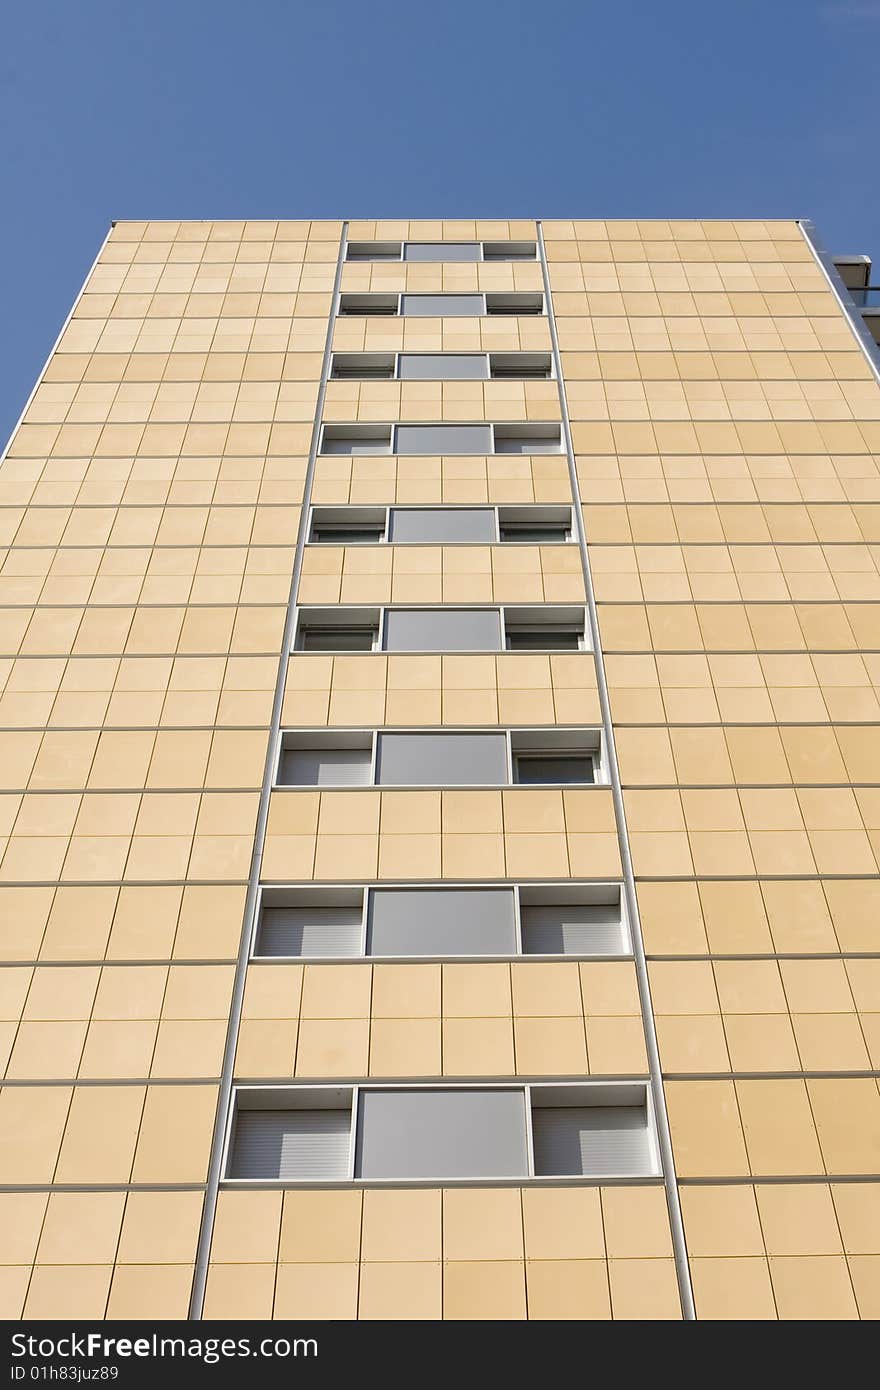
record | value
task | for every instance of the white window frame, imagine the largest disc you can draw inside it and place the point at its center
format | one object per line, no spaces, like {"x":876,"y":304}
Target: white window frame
{"x":515,"y":614}
{"x":343,"y":616}
{"x":394,"y":358}
{"x":472,"y":294}
{"x":589,"y":736}
{"x":611,"y":1091}
{"x":599,"y":891}
{"x":560,"y":514}
{"x":409,"y":241}
{"x":375,"y":430}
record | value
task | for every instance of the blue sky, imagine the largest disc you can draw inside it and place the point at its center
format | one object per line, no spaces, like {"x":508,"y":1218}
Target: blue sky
{"x":279,"y":108}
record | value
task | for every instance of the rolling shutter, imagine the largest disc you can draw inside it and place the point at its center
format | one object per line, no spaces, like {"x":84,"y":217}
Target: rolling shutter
{"x":291,"y":1144}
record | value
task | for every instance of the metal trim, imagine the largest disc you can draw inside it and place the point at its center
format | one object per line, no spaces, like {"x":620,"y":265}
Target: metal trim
{"x":667,"y":1160}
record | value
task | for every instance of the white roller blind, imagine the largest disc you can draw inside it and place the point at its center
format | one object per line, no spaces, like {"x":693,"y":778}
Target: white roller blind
{"x":592,"y":1141}
{"x":572,"y":929}
{"x":309,"y":931}
{"x":442,"y":760}
{"x":325,"y":767}
{"x":441,"y":922}
{"x":441,"y":1134}
{"x":442,"y":630}
{"x":291,"y":1144}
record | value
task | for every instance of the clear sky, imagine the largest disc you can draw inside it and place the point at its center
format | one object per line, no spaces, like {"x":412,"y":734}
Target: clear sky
{"x":327,"y":108}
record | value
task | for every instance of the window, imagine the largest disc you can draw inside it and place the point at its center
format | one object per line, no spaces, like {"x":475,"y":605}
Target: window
{"x":554,"y":757}
{"x":356,"y":439}
{"x":442,"y":366}
{"x":573,"y":920}
{"x":535,"y":525}
{"x":373,"y":251}
{"x":442,"y":439}
{"x":292,"y":1135}
{"x":442,"y":305}
{"x":362,"y":366}
{"x":441,"y":922}
{"x":329,"y":922}
{"x":442,"y":525}
{"x":542,"y":769}
{"x":337,"y":630}
{"x":442,"y":1133}
{"x":310,"y":922}
{"x":517,"y":304}
{"x":592,"y":1131}
{"x":476,"y":438}
{"x":521,"y":366}
{"x":544,"y":628}
{"x":441,"y":250}
{"x":509,"y":250}
{"x":347,"y":525}
{"x":439,"y":758}
{"x":326,"y":760}
{"x":368,"y":305}
{"x":528,"y":439}
{"x":444,"y":759}
{"x":442,"y":630}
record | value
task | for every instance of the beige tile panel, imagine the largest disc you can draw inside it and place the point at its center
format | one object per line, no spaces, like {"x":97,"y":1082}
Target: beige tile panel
{"x":744,"y":522}
{"x":813,"y":688}
{"x":720,"y":574}
{"x":784,"y":1251}
{"x":368,"y":480}
{"x":107,"y":1134}
{"x":710,"y":482}
{"x":119,"y":1021}
{"x":454,"y":689}
{"x":128,"y":630}
{"x":789,"y":916}
{"x":766,"y":1015}
{"x":115,"y":577}
{"x":441,"y":574}
{"x":142,"y":484}
{"x":503,"y":1253}
{"x":775,"y":1128}
{"x":87,"y":922}
{"x":76,"y":695}
{"x":769,"y":831}
{"x":460,"y":834}
{"x":438,"y":277}
{"x":432,"y":1020}
{"x":502,"y":333}
{"x":152,"y":835}
{"x":441,"y":400}
{"x":737,"y":628}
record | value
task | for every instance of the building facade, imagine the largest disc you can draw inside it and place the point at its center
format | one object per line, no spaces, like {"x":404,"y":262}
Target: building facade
{"x":439,"y":674}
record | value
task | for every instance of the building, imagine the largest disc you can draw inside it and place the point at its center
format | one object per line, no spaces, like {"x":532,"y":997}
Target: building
{"x":441,"y":761}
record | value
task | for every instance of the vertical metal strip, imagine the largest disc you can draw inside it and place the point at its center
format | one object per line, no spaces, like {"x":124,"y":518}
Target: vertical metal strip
{"x":656,"y":1078}
{"x":54,"y":348}
{"x":206,"y":1229}
{"x":826,"y":264}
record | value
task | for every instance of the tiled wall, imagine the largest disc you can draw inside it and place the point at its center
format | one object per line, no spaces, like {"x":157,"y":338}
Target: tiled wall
{"x":726,"y":424}
{"x":149,"y":502}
